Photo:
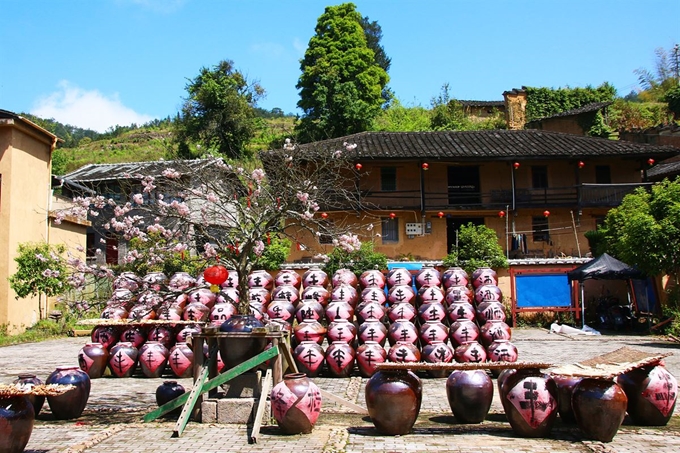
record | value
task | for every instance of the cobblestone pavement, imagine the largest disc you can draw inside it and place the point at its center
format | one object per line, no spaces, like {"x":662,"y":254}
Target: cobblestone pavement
{"x":112,"y":419}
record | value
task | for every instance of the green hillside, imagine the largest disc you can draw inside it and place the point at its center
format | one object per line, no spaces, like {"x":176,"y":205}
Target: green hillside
{"x":149,"y":142}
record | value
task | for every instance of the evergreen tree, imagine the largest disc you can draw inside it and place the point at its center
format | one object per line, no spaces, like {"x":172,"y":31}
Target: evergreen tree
{"x":341,"y":86}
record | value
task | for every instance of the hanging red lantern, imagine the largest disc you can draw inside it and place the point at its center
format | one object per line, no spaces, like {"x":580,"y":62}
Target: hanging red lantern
{"x":515,"y":165}
{"x":392,"y":215}
{"x":324,"y":215}
{"x":501,"y":214}
{"x":216,"y":275}
{"x":440,"y":214}
{"x":425,"y":166}
{"x":358,"y":166}
{"x":581,"y":164}
{"x":650,"y":161}
{"x":546,"y":213}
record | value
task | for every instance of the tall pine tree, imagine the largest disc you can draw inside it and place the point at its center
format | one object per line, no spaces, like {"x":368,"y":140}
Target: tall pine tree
{"x":342,"y":84}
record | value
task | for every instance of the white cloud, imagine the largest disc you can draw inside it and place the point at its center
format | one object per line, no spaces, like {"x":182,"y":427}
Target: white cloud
{"x":299,"y":46}
{"x":87,"y":109}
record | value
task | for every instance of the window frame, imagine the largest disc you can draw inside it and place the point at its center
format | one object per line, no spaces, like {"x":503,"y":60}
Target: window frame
{"x":389,"y":229}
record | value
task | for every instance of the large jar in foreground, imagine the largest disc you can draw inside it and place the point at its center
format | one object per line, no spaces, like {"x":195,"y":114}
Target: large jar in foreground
{"x":393,"y":399}
{"x":470,"y":393}
{"x":72,"y":403}
{"x":296,"y":404}
{"x":599,"y":406}
{"x":529,"y":399}
{"x":652,"y":393}
{"x":16,"y":423}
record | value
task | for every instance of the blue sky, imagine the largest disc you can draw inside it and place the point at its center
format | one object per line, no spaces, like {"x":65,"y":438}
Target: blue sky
{"x":95,"y":64}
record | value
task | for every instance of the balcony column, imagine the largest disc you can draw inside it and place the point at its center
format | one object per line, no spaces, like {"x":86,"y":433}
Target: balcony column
{"x":422,"y":189}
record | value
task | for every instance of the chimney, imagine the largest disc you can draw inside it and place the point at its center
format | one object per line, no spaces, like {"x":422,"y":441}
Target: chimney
{"x":515,"y":108}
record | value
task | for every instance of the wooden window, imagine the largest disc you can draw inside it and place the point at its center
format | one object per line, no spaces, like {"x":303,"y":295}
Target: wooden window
{"x":390,"y":230}
{"x":539,"y":225}
{"x":325,"y":227}
{"x":539,"y":177}
{"x":603,"y":174}
{"x":388,"y":179}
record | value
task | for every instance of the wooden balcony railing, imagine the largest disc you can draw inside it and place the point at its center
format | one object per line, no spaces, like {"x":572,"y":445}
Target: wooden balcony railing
{"x":578,"y":196}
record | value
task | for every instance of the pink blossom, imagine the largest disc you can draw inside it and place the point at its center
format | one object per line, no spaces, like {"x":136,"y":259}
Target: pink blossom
{"x":40,"y":257}
{"x":258,"y":175}
{"x":171,"y":173}
{"x":348,"y":242}
{"x":259,"y":248}
{"x":303,"y":196}
{"x":138,"y":198}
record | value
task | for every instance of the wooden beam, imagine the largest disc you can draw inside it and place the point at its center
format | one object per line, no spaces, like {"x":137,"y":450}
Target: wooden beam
{"x":262,"y":403}
{"x":335,"y":398}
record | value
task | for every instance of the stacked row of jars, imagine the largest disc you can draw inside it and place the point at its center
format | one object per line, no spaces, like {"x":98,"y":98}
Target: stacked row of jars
{"x":432,"y":324}
{"x":178,"y":302}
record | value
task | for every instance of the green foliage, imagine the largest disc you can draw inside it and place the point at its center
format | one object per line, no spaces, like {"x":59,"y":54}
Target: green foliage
{"x":673,"y":98}
{"x":341,"y":85}
{"x":449,"y":115}
{"x":656,"y":84}
{"x":398,"y":118}
{"x":630,"y":116}
{"x":59,"y":162}
{"x":219,"y":112}
{"x":42,"y":330}
{"x":644,"y":230}
{"x":359,"y":261}
{"x":40,"y":270}
{"x":542,"y":102}
{"x":477,"y":247}
{"x":596,"y":241}
{"x":274,"y":254}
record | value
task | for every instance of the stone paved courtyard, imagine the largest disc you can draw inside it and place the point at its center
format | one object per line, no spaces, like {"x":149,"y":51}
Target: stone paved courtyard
{"x":112,"y":421}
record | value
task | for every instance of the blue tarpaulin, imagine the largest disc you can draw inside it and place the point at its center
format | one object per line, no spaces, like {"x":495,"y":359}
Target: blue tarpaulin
{"x":544,"y":290}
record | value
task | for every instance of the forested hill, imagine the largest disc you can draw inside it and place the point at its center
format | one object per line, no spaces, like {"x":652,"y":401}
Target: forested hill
{"x":137,"y":143}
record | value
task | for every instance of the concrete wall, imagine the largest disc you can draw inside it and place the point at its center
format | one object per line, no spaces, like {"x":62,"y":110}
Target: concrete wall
{"x":25,"y":162}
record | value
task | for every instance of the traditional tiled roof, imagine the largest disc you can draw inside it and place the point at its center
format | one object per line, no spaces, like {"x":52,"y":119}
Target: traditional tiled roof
{"x":104,"y":172}
{"x":482,"y":103}
{"x":669,"y":168}
{"x":496,"y":144}
{"x":594,"y":107}
{"x":7,"y":115}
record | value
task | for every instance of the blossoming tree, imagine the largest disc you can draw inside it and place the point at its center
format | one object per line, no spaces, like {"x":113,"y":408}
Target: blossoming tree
{"x":227,"y":212}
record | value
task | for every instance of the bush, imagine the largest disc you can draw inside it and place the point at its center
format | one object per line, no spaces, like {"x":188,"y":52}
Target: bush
{"x":358,"y":261}
{"x":477,"y":247}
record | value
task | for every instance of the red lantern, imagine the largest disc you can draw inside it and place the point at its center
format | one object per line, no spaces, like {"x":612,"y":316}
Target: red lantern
{"x":546,"y":213}
{"x":581,"y":164}
{"x":392,"y":215}
{"x":440,"y":214}
{"x":358,"y":166}
{"x":324,"y":215}
{"x":215,"y":275}
{"x":426,"y":166}
{"x":650,"y":161}
{"x":515,"y":165}
{"x":501,"y":214}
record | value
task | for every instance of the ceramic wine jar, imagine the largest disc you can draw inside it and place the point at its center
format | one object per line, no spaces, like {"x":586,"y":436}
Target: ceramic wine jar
{"x":237,"y":350}
{"x":368,"y":356}
{"x":309,"y":358}
{"x":652,"y":393}
{"x":529,"y":398}
{"x":123,"y":359}
{"x":565,"y":388}
{"x":599,"y":407}
{"x":393,"y":399}
{"x":16,"y":423}
{"x":28,"y":381}
{"x":470,"y":394}
{"x":72,"y":403}
{"x":296,"y":404}
{"x":93,"y":358}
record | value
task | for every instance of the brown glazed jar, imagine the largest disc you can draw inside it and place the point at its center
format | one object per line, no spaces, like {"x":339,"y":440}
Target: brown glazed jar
{"x":296,"y":404}
{"x":470,"y":394}
{"x":393,"y":399}
{"x":599,"y":406}
{"x":529,"y":398}
{"x":652,"y":393}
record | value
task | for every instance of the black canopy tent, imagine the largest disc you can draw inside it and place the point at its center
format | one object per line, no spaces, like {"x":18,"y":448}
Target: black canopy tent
{"x":604,"y":267}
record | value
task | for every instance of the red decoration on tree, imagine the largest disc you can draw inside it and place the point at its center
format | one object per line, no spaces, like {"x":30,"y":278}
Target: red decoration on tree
{"x":546,"y":213}
{"x":215,"y":275}
{"x":516,"y":165}
{"x":358,"y":166}
{"x":501,"y":214}
{"x":440,"y":214}
{"x":426,"y":166}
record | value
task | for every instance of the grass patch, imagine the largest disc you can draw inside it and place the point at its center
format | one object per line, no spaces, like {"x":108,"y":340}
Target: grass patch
{"x":43,"y":330}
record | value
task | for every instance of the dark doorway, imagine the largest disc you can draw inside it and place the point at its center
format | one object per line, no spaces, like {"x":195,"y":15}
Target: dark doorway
{"x":464,"y":187}
{"x":453,"y":224}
